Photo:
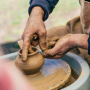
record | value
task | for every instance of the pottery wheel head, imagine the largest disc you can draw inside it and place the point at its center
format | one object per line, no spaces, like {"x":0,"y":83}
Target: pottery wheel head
{"x":54,"y":74}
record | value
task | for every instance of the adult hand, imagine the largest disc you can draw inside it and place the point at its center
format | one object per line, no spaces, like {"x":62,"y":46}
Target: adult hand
{"x":35,"y":25}
{"x":65,"y":44}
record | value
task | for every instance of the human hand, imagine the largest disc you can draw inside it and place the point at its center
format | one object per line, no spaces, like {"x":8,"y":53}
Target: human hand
{"x":65,"y":44}
{"x":62,"y":46}
{"x":35,"y":25}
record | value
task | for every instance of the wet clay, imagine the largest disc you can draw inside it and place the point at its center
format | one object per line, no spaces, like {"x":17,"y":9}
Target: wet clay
{"x":33,"y":63}
{"x":51,"y":42}
{"x":54,"y":74}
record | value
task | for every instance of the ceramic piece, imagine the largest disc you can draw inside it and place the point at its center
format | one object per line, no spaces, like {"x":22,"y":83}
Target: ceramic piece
{"x":33,"y":63}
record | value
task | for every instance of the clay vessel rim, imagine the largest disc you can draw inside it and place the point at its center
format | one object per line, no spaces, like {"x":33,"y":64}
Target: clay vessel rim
{"x":36,"y":51}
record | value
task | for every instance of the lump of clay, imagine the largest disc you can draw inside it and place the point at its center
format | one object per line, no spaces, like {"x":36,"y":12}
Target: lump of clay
{"x":51,"y":42}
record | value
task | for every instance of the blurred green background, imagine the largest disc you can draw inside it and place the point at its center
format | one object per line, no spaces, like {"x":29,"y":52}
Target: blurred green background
{"x":14,"y":15}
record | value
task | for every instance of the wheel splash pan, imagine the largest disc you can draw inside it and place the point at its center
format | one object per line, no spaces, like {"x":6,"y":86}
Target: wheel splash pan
{"x":77,"y":63}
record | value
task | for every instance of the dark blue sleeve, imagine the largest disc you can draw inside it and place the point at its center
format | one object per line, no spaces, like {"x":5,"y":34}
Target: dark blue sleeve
{"x":46,"y":5}
{"x":89,"y":44}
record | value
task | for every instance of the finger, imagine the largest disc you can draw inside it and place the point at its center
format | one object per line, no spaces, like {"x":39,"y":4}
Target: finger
{"x":56,"y":57}
{"x":26,"y":46}
{"x":59,"y":55}
{"x":49,"y":53}
{"x":42,"y":39}
{"x":30,"y":46}
{"x":52,"y":52}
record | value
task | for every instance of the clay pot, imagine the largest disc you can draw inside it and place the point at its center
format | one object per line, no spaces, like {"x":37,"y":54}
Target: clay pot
{"x":33,"y":63}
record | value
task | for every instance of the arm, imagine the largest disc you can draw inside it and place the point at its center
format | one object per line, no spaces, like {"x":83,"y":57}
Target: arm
{"x":39,"y":11}
{"x":46,"y":5}
{"x":81,"y":40}
{"x":34,"y":25}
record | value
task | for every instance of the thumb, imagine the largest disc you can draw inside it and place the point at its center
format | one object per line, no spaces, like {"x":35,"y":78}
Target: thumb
{"x":42,"y":41}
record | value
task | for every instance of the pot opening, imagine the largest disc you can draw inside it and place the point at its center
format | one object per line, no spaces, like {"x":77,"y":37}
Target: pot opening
{"x":29,"y":54}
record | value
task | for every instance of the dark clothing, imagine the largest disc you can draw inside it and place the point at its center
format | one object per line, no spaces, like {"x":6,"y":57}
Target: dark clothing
{"x":46,"y":5}
{"x":89,"y":45}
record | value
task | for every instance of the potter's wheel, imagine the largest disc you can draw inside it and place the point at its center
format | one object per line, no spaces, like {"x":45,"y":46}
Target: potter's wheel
{"x":54,"y":74}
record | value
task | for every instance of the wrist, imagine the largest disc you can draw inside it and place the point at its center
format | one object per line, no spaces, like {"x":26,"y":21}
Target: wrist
{"x":80,"y":40}
{"x":71,"y":42}
{"x":37,"y":12}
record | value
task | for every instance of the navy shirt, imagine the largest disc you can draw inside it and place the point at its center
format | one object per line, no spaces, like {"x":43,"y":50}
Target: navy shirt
{"x":46,"y":5}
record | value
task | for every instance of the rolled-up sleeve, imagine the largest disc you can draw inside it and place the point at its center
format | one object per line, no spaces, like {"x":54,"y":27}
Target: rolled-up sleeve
{"x":46,"y":5}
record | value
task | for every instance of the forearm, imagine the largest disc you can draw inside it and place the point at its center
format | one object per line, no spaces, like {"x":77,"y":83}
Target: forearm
{"x":46,"y":5}
{"x":37,"y":12}
{"x":80,"y":40}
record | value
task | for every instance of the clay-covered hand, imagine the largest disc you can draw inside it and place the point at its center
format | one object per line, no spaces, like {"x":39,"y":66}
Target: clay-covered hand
{"x":35,"y":26}
{"x":62,"y":46}
{"x":51,"y":42}
{"x":65,"y":44}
